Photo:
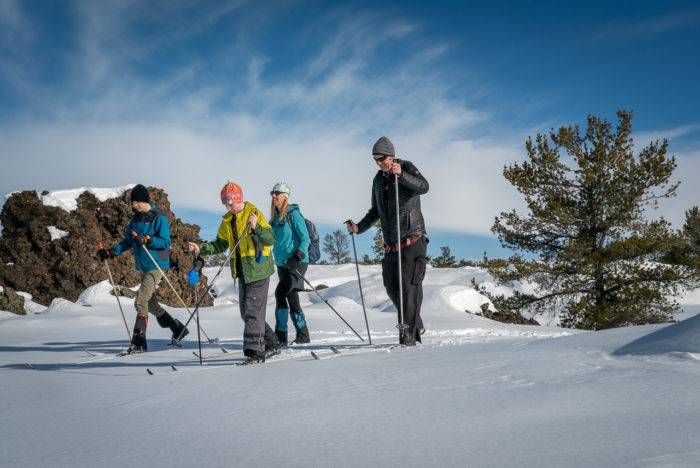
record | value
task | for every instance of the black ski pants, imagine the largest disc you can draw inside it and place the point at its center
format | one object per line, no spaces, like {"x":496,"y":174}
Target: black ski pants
{"x":413,"y":263}
{"x":287,"y":290}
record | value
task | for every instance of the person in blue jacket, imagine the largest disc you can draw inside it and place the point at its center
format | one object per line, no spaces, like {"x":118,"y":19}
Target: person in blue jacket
{"x":291,"y":257}
{"x":148,"y":227}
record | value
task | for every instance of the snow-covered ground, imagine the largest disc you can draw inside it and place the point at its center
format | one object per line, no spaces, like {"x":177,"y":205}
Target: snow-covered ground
{"x":476,"y":393}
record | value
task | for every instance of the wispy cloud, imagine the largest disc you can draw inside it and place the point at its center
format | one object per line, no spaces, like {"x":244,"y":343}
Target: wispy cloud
{"x":239,"y":110}
{"x":120,"y":34}
{"x":647,"y":27}
{"x":644,"y":138}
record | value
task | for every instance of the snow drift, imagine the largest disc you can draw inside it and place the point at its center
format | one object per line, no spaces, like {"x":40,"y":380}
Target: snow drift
{"x":681,"y":337}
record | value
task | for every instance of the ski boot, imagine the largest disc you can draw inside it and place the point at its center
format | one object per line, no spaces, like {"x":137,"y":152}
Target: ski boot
{"x":269,"y":352}
{"x":135,"y":349}
{"x":165,"y":320}
{"x":174,"y":341}
{"x":301,"y":329}
{"x":253,"y":357}
{"x":138,"y":340}
{"x":282,"y":338}
{"x":302,"y":336}
{"x":419,"y":334}
{"x":406,"y":336}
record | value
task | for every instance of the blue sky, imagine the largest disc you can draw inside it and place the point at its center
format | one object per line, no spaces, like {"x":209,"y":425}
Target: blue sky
{"x":185,"y":95}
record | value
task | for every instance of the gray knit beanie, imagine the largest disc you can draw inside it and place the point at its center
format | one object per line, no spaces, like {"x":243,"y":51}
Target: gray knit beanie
{"x":384,"y":147}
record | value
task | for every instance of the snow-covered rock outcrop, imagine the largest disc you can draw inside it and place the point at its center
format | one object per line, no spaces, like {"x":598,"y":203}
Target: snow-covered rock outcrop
{"x":49,"y":240}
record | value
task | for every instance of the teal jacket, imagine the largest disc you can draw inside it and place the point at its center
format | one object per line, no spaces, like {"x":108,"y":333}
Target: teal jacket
{"x":154,"y":224}
{"x":290,"y":235}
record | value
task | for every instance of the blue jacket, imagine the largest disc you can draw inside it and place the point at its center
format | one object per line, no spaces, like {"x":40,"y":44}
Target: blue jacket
{"x":290,"y":235}
{"x":152,"y":223}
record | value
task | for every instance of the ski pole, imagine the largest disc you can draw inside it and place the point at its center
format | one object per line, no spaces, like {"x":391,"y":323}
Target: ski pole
{"x":398,"y":243}
{"x":174,"y":290}
{"x":116,"y":294}
{"x":328,"y":304}
{"x":221,"y":268}
{"x":359,"y":283}
{"x":199,"y":336}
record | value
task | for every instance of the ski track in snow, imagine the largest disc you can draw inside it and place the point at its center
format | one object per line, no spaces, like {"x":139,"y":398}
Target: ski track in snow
{"x":475,"y":393}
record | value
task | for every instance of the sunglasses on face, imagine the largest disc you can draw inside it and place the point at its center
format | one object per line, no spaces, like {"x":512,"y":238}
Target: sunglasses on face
{"x":276,"y":193}
{"x":380,"y":158}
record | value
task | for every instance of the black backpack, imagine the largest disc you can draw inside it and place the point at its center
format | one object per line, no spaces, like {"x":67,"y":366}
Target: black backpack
{"x":314,"y":253}
{"x":314,"y":246}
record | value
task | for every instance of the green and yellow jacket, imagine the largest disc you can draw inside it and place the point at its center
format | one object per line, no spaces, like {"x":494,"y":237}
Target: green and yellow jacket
{"x":257,"y":263}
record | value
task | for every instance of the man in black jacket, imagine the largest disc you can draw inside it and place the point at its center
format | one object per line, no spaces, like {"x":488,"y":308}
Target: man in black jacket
{"x":412,"y":235}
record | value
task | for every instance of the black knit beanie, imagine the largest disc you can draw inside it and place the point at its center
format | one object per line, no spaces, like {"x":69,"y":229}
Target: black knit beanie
{"x":140,"y":194}
{"x":384,"y":147}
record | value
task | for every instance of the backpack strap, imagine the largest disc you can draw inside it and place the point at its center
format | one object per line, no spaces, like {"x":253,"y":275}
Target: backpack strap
{"x":289,"y":219}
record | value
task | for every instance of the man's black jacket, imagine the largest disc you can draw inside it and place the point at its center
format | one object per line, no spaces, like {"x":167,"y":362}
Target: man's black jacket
{"x":412,"y":184}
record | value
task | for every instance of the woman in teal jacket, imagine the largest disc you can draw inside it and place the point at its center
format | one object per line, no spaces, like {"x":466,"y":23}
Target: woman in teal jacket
{"x":291,"y":257}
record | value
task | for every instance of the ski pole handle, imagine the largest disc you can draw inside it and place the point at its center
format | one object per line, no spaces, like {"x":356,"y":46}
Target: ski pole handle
{"x":349,"y":223}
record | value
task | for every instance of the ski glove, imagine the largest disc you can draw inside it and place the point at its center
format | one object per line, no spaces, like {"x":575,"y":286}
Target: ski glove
{"x":142,"y":239}
{"x":104,"y":254}
{"x":193,"y":277}
{"x":195,"y":274}
{"x":292,"y":262}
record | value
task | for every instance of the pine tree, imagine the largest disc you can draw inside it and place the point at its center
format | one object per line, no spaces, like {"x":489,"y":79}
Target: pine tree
{"x":687,"y":252}
{"x":378,"y":245}
{"x":336,"y":245}
{"x":445,"y":260}
{"x":691,"y":232}
{"x":597,"y":255}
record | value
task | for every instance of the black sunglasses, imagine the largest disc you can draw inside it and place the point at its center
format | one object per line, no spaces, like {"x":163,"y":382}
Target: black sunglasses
{"x":275,"y":193}
{"x":381,"y":157}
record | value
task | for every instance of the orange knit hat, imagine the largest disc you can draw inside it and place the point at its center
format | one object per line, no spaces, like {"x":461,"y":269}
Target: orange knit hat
{"x":231,"y":193}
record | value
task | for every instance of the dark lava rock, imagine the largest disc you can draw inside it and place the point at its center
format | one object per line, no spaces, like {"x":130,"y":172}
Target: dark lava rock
{"x":10,"y":301}
{"x":32,"y":262}
{"x":506,"y":316}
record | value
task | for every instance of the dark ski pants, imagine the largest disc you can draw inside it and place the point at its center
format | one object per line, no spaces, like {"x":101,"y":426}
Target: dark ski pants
{"x":287,"y":299}
{"x":413,"y":262}
{"x":287,"y":290}
{"x":252,"y":299}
